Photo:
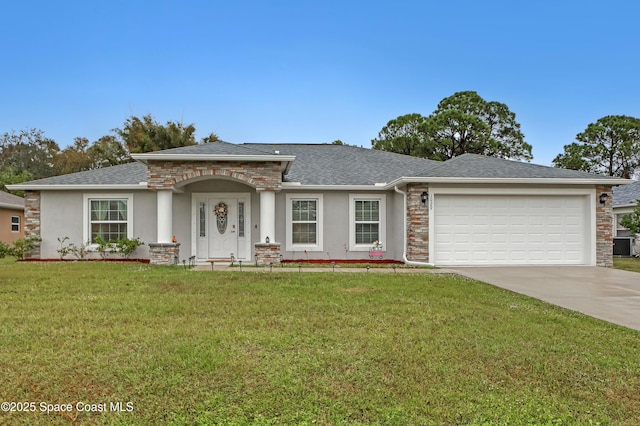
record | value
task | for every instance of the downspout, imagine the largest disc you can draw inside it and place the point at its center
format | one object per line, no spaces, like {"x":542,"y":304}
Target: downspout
{"x":404,"y":237}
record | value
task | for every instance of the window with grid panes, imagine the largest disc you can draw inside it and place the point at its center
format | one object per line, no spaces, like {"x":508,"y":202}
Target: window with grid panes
{"x":304,"y":221}
{"x":15,"y":223}
{"x":109,"y":219}
{"x":367,"y":221}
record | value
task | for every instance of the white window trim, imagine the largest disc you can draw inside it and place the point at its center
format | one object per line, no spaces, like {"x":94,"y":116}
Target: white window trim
{"x":86,"y":212}
{"x":382,"y":198}
{"x":19,"y":223}
{"x":289,"y":222}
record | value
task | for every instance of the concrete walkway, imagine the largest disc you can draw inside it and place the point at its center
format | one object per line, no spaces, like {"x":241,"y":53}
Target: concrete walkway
{"x":608,"y":294}
{"x":378,"y":269}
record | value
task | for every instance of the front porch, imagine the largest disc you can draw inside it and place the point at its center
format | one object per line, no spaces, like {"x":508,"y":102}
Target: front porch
{"x":222,"y":197}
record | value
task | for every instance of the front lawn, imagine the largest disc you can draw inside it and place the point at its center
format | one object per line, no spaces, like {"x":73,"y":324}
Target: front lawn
{"x":627,"y":263}
{"x":185,"y":347}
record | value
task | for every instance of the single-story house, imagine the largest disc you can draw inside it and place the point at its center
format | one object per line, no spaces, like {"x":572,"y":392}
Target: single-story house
{"x":11,"y":217}
{"x":273,"y":202}
{"x":625,"y":199}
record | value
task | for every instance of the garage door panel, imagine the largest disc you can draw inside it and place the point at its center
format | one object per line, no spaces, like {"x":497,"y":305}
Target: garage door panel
{"x":510,"y":229}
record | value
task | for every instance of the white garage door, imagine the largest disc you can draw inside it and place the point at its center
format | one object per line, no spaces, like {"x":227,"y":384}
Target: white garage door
{"x":510,"y":230}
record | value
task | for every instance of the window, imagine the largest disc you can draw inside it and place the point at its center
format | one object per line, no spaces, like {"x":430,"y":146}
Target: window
{"x":108,"y":216}
{"x":15,"y":223}
{"x":240,"y":219}
{"x":202,"y":218}
{"x":366,"y":221}
{"x":304,"y":222}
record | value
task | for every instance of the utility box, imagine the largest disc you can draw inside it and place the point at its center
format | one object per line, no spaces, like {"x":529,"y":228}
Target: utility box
{"x":623,"y":246}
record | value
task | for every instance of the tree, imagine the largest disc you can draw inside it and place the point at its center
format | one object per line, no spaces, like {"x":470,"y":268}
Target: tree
{"x":337,"y":142}
{"x":631,"y":221}
{"x":403,"y":135}
{"x":146,"y":135}
{"x":462,"y":123}
{"x":74,"y":158}
{"x":107,"y":151}
{"x":610,"y":146}
{"x":30,"y":151}
{"x":211,"y":137}
{"x":9,"y":176}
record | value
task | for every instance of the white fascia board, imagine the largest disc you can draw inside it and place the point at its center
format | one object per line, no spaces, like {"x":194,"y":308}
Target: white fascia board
{"x":81,"y":187}
{"x":625,"y":206}
{"x":517,"y":181}
{"x":11,"y":206}
{"x":211,"y":157}
{"x":298,"y":185}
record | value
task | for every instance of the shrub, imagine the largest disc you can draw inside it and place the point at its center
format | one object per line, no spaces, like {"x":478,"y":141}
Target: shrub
{"x":79,"y":251}
{"x":631,"y":221}
{"x":104,"y":247}
{"x":22,"y":247}
{"x":4,"y":250}
{"x":64,"y":249}
{"x":125,"y":246}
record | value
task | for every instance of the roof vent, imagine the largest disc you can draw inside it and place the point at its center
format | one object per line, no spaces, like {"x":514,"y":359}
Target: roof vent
{"x":277,"y":152}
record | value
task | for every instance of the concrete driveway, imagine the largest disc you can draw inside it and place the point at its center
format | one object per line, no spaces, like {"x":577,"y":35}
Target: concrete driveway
{"x":609,"y":294}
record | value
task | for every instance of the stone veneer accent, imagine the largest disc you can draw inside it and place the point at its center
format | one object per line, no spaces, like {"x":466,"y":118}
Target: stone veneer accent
{"x":32,"y":220}
{"x":604,"y":227}
{"x":260,"y":175}
{"x":417,"y":223}
{"x":268,"y":253}
{"x":164,"y":253}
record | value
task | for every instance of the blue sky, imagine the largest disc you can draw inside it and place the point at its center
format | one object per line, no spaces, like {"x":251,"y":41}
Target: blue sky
{"x":314,"y":71}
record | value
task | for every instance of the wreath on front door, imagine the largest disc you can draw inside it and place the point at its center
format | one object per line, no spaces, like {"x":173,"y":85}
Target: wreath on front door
{"x":221,"y":210}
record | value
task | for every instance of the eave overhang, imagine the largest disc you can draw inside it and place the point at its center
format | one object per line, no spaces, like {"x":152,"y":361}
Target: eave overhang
{"x":78,"y":187}
{"x":508,"y":181}
{"x":11,"y":206}
{"x":284,"y":160}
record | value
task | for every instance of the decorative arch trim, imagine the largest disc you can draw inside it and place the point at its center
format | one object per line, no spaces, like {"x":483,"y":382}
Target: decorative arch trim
{"x":172,"y":174}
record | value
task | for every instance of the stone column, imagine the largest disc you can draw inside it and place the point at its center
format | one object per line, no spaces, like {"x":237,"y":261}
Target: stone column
{"x":268,"y":253}
{"x":604,"y":227}
{"x":164,"y":251}
{"x":32,"y":221}
{"x":417,"y":223}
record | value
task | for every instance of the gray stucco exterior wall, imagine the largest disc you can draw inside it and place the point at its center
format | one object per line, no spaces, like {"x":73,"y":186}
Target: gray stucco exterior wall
{"x":63,"y":217}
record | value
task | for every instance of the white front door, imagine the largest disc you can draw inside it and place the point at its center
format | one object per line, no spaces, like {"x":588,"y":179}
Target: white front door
{"x":221,"y":226}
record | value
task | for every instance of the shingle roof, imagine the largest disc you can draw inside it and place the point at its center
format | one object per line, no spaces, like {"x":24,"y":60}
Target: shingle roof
{"x":479,"y":166}
{"x":327,"y":164}
{"x":217,"y":148}
{"x":626,"y":194}
{"x":123,"y":174}
{"x":11,"y":200}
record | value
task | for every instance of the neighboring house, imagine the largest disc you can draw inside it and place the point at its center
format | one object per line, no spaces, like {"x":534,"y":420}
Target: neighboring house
{"x":11,"y":217}
{"x":329,"y":202}
{"x":625,"y":199}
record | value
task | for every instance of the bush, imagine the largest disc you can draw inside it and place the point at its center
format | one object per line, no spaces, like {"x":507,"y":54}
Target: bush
{"x":125,"y":246}
{"x":104,"y":247}
{"x":64,"y":249}
{"x":631,"y":221}
{"x":22,"y":247}
{"x":4,"y":250}
{"x":79,"y":251}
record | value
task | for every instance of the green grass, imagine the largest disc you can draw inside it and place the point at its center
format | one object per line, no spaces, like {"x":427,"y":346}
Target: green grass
{"x":187,"y":347}
{"x":627,"y":263}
